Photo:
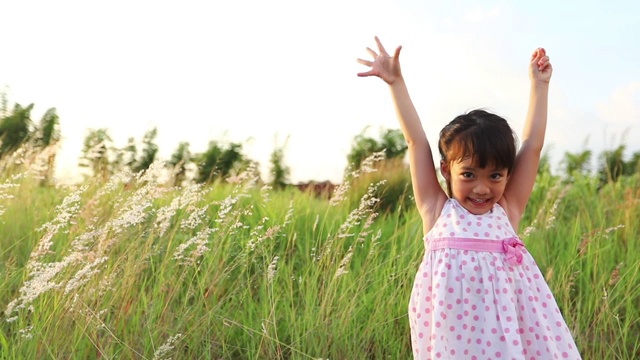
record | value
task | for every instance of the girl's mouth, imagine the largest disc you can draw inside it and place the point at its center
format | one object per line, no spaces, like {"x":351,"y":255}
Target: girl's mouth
{"x":479,"y":201}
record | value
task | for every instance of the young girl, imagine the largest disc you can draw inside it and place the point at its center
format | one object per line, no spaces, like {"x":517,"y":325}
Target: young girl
{"x":478,"y":293}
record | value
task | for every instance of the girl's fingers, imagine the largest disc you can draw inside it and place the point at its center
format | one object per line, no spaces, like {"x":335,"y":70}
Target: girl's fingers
{"x":373,"y":53}
{"x":535,"y":54}
{"x":365,"y":62}
{"x":397,"y":53}
{"x":365,"y":73}
{"x":538,"y":54}
{"x":544,"y":60}
{"x":380,"y":47}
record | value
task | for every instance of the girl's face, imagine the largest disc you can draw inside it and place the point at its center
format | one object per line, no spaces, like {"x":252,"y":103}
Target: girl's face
{"x":476,"y":189}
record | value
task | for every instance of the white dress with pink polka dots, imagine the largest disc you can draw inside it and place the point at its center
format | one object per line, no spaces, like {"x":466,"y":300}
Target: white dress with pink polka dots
{"x":479,"y":294}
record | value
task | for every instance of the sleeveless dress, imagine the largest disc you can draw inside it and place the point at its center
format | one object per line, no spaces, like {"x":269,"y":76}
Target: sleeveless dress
{"x":478,"y":294}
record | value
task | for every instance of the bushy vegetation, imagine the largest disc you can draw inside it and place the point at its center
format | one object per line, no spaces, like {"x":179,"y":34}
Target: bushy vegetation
{"x":133,"y":268}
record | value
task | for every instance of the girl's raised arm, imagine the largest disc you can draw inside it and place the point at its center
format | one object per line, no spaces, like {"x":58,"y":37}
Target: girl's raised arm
{"x":428,"y":193}
{"x":522,"y":179}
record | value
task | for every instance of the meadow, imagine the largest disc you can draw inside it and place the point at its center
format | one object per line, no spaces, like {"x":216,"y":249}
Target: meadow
{"x":134,"y":269}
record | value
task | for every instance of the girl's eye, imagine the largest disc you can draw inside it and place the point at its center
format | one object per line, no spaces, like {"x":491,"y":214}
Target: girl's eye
{"x":496,"y":176}
{"x":467,"y":175}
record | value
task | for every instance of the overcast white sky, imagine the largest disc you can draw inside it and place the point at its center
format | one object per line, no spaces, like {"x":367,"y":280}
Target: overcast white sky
{"x":258,"y":72}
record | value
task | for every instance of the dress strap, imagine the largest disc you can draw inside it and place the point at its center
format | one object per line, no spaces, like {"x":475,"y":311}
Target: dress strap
{"x":512,"y":246}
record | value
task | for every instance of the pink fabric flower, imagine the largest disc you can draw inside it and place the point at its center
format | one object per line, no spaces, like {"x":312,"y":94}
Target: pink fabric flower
{"x":512,"y":248}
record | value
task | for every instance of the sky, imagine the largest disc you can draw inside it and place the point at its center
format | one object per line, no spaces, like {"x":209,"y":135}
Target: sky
{"x":283,"y":73}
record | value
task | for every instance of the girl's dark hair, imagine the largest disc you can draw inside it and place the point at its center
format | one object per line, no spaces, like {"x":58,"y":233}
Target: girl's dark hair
{"x":484,"y":137}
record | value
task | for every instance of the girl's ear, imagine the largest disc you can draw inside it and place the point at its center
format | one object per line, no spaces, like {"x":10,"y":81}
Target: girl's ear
{"x":444,"y":169}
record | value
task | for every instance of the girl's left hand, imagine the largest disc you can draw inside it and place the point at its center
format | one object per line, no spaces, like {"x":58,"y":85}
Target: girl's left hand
{"x":540,"y":68}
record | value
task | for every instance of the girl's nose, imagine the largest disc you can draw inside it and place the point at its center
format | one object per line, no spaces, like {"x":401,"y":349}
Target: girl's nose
{"x":481,"y":189}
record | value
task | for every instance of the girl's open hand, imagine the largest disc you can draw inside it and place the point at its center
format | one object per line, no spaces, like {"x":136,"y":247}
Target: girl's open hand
{"x":383,"y":65}
{"x":540,"y":68}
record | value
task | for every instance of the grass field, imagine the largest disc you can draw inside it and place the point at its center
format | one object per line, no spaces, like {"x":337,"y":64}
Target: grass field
{"x":132,"y":269}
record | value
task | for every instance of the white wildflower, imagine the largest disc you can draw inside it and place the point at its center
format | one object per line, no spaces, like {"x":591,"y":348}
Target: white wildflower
{"x":165,"y":348}
{"x":198,"y":243}
{"x":188,"y":196}
{"x":272,"y":270}
{"x":342,"y":269}
{"x":84,"y":275}
{"x":41,"y":281}
{"x":195,"y":218}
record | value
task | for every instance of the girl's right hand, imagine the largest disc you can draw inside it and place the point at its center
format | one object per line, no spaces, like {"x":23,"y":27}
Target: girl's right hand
{"x":540,"y":68}
{"x":383,"y":66}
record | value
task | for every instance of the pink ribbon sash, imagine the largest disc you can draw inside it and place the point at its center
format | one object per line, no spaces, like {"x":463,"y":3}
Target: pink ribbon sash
{"x":511,"y":247}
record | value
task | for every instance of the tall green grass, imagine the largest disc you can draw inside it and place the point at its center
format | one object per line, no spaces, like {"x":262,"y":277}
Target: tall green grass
{"x":134,"y":269}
